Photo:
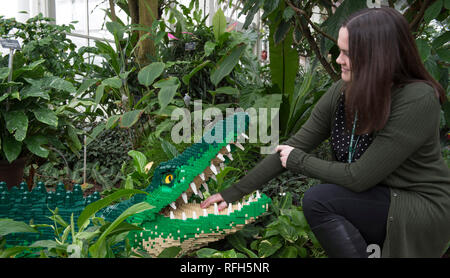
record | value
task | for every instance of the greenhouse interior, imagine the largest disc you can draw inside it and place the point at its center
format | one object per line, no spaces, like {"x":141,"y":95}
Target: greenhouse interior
{"x":225,"y":129}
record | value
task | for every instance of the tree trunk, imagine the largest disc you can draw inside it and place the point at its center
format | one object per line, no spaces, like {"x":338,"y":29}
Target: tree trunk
{"x":148,"y":12}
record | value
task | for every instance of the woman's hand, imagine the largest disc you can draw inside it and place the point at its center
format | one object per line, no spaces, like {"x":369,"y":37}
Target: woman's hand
{"x":284,"y":151}
{"x":216,"y":198}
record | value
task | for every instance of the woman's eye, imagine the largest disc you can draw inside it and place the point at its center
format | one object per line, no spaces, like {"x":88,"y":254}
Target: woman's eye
{"x":168,"y":179}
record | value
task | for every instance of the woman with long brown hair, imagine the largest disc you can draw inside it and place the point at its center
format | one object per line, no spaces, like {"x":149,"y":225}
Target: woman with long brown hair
{"x":388,"y":184}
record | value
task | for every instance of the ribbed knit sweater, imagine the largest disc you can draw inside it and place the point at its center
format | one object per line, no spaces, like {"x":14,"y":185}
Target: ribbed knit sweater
{"x":405,"y":155}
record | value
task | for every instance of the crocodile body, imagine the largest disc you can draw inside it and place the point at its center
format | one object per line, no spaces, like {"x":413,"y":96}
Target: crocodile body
{"x":177,"y":187}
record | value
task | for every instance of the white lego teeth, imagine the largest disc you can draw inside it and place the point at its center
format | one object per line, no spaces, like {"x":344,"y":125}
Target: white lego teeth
{"x":213,"y":169}
{"x":183,"y":216}
{"x":205,"y":214}
{"x":213,"y":177}
{"x":172,"y":205}
{"x":202,"y":176}
{"x":230,"y":209}
{"x":220,"y":156}
{"x":184,"y":196}
{"x":171,"y":215}
{"x":216,"y":209}
{"x":228,"y":148}
{"x":222,"y":166}
{"x":194,"y":215}
{"x":194,"y":188}
{"x":230,"y":156}
{"x":239,"y":206}
{"x":239,"y":146}
{"x":257,"y":194}
{"x":244,"y":135}
{"x":200,"y":194}
{"x":205,"y":186}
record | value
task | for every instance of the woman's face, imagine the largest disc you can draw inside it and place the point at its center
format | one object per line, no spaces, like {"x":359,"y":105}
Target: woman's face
{"x":343,"y":58}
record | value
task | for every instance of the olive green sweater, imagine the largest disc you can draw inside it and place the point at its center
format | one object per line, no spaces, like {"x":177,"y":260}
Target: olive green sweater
{"x":405,"y":155}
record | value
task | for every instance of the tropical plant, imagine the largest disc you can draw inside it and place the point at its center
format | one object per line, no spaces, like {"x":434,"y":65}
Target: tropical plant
{"x":37,"y":111}
{"x":90,"y":236}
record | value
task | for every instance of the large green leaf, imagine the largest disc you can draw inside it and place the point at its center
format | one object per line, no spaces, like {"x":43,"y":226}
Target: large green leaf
{"x":11,"y":148}
{"x":219,"y":23}
{"x":4,"y":72}
{"x":46,"y":116}
{"x":17,"y":124}
{"x":433,"y":11}
{"x":34,"y":144}
{"x":93,"y":208}
{"x":97,"y":249}
{"x":87,"y":83}
{"x":284,"y":62}
{"x":444,"y":54}
{"x":74,"y":141}
{"x":424,"y":49}
{"x":99,"y":93}
{"x":139,"y":160}
{"x":268,"y":247}
{"x":113,"y":82}
{"x":34,"y":91}
{"x":148,"y":74}
{"x":9,"y":226}
{"x":227,"y":63}
{"x":130,"y":118}
{"x":63,"y":85}
{"x":168,"y":89}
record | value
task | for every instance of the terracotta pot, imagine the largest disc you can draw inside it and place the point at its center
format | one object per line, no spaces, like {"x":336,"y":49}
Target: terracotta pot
{"x":12,"y":173}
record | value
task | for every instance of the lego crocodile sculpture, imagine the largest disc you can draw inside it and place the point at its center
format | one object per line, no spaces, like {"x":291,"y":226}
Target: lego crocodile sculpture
{"x":176,"y":218}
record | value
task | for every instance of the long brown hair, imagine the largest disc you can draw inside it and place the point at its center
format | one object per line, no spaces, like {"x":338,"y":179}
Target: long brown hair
{"x":383,"y":56}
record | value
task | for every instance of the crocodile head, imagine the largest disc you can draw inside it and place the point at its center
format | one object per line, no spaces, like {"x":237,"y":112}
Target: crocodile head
{"x":177,"y":189}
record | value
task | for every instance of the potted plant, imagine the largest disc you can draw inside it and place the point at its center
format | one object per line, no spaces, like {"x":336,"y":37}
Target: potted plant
{"x":36,"y":116}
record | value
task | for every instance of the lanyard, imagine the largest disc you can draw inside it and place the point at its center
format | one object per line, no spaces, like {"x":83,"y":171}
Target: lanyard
{"x":351,"y":147}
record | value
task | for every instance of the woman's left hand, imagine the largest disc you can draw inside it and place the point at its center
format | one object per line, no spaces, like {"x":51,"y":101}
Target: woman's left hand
{"x":284,"y":151}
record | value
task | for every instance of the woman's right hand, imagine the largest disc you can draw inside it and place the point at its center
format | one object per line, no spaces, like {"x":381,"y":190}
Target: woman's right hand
{"x":216,"y":198}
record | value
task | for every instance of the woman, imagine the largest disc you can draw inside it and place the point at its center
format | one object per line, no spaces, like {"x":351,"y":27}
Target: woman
{"x":389,"y":184}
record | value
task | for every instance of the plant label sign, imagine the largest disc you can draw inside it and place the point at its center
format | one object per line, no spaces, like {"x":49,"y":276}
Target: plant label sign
{"x":189,"y":46}
{"x":11,"y":44}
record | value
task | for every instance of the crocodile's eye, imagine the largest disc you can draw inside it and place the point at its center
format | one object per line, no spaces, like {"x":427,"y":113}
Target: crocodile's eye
{"x":168,"y":179}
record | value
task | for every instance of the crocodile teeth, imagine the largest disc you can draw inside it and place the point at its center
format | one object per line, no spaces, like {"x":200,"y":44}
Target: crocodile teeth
{"x":220,"y":156}
{"x":194,"y":215}
{"x":250,"y":199}
{"x":228,"y":148}
{"x":213,"y":177}
{"x":216,"y":209}
{"x":200,"y":194}
{"x":230,"y":209}
{"x":171,"y":215}
{"x":230,"y":156}
{"x":257,"y":194}
{"x":183,"y":216}
{"x":172,"y":205}
{"x":239,"y":206}
{"x":202,"y":176}
{"x":213,"y":169}
{"x":239,"y":146}
{"x":205,"y":213}
{"x":184,"y":196}
{"x":205,"y":186}
{"x":244,"y":135}
{"x":222,"y":166}
{"x":194,"y":188}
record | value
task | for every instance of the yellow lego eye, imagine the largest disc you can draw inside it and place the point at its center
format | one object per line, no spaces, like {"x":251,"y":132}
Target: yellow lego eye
{"x":168,"y":179}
